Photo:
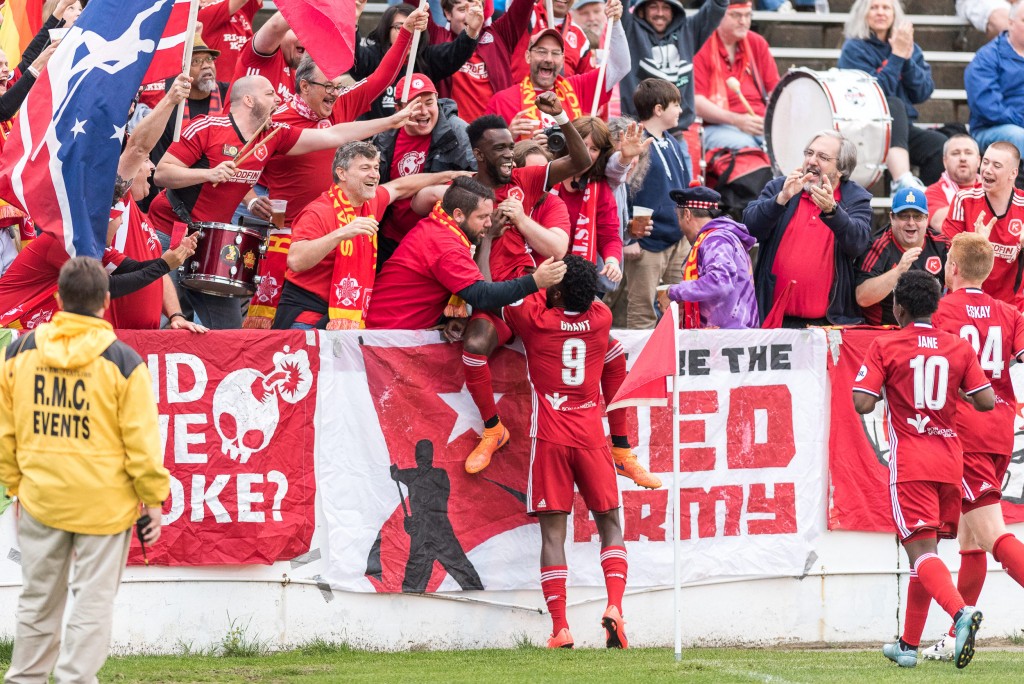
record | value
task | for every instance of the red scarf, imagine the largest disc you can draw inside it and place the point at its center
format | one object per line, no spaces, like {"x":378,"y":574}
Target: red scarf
{"x":355,"y":266}
{"x":744,"y":61}
{"x":216,"y":107}
{"x":691,"y":310}
{"x":950,"y":187}
{"x":582,"y":236}
{"x":563,"y":91}
{"x":264,"y":303}
{"x":456,"y":307}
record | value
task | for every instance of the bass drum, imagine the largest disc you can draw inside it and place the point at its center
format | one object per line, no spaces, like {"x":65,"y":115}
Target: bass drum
{"x":843,"y":100}
{"x":226,"y":261}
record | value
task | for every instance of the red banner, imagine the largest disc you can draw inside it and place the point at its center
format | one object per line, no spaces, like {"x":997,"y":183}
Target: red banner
{"x":859,"y":449}
{"x":430,"y":418}
{"x":237,"y":420}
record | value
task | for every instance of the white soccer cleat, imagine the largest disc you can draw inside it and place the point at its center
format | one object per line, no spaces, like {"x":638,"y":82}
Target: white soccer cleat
{"x":941,"y":649}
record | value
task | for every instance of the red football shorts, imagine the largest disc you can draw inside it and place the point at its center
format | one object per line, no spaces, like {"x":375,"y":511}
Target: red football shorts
{"x":983,"y":479}
{"x":932,"y":508}
{"x":505,"y":333}
{"x":554,"y":468}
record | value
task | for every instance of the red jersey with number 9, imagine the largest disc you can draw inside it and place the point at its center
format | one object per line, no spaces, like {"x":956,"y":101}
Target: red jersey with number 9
{"x":996,"y":332}
{"x":565,"y":356}
{"x":921,"y":369}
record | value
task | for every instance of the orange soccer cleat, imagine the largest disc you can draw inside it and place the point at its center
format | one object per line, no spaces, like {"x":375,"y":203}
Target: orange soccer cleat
{"x":614,"y":632}
{"x":626,"y":465}
{"x":490,"y":441}
{"x":561,"y":640}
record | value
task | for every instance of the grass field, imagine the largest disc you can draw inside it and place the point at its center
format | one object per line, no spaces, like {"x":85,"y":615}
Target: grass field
{"x":329,"y":663}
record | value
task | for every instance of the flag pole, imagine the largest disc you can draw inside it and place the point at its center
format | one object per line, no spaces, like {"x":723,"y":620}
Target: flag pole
{"x":411,"y":67}
{"x":190,"y":39}
{"x":604,"y":67}
{"x":677,"y":602}
{"x":549,"y":6}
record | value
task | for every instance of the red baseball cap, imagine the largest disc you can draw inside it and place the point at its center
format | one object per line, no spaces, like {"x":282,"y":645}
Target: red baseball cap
{"x":554,"y":33}
{"x":420,"y":84}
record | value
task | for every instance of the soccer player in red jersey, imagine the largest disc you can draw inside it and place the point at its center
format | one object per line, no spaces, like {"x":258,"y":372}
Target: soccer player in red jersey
{"x":922,"y":369}
{"x":565,"y":335}
{"x":996,"y":331}
{"x":995,"y":210}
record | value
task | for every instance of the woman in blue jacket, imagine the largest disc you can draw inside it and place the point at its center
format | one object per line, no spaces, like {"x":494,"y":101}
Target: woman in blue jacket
{"x":881,"y":43}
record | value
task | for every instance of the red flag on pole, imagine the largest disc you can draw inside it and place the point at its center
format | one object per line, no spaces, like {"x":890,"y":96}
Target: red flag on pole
{"x":168,"y":58}
{"x":645,"y":385}
{"x":327,"y":31}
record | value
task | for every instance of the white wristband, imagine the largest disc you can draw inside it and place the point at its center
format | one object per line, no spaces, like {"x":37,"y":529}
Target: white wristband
{"x":253,"y":201}
{"x":561,"y":118}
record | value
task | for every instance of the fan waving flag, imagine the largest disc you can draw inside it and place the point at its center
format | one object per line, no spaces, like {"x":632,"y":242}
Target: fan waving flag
{"x":170,"y":52}
{"x":326,"y":29}
{"x":22,"y":20}
{"x":61,"y":158}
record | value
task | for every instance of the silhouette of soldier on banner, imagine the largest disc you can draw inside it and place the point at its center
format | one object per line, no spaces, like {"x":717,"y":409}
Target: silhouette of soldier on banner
{"x":430,"y":531}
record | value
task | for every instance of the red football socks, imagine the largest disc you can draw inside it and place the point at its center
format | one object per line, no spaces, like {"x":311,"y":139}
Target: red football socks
{"x":552,"y":583}
{"x":936,"y":580}
{"x":971,"y":578}
{"x":1009,"y":551}
{"x":478,"y":382}
{"x":613,"y":562}
{"x":611,"y":379}
{"x":918,"y":601}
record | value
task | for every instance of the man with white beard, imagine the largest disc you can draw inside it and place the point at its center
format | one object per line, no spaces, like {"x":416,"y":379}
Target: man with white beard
{"x":812,"y":225}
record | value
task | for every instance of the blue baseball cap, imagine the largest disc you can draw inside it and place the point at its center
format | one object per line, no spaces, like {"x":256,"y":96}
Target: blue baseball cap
{"x":909,"y":198}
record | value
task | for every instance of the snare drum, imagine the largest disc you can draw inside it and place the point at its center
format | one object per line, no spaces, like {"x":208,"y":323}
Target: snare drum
{"x":226,"y":261}
{"x":844,"y":100}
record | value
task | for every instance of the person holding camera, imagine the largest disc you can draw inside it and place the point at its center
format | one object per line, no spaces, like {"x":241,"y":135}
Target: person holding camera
{"x":517,"y":105}
{"x":80,"y":447}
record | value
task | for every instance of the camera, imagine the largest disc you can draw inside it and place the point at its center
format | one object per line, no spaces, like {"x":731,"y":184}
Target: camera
{"x":556,"y":139}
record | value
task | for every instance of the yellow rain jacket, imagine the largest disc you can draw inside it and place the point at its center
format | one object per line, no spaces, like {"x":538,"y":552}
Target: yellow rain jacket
{"x":79,"y":434}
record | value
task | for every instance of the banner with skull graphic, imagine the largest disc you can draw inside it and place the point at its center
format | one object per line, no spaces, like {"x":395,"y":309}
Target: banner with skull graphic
{"x":237,"y":420}
{"x":859,"y":445}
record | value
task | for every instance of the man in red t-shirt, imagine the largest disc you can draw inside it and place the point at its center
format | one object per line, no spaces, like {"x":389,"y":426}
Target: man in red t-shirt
{"x":733,"y":51}
{"x":203,"y":183}
{"x":545,"y":59}
{"x":579,"y":59}
{"x":274,"y":53}
{"x":319,"y":103}
{"x":227,"y":27}
{"x":333,"y":254}
{"x":996,"y":211}
{"x":996,"y":332}
{"x":565,"y":334}
{"x":435,"y":261}
{"x":961,"y":160}
{"x":923,"y":371}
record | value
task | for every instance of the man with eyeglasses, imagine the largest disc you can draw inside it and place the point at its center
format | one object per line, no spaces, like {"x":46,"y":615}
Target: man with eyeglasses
{"x":908,"y":244}
{"x":734,"y":51}
{"x":546,"y":58}
{"x":579,"y":59}
{"x":811,"y":225}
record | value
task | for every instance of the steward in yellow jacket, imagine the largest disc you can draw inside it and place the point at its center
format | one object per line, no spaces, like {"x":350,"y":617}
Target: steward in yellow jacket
{"x":79,"y":434}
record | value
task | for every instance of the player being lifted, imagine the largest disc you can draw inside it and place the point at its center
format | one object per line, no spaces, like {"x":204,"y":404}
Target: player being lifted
{"x":565,"y":334}
{"x":923,"y":370}
{"x":996,"y":331}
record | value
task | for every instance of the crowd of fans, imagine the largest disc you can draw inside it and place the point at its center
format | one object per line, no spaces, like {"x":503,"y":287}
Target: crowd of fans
{"x":598,"y":168}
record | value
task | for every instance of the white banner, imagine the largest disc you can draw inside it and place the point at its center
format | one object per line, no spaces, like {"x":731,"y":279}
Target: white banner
{"x":753,"y":455}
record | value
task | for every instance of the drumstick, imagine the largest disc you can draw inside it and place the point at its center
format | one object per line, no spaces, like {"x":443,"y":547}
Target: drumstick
{"x":253,"y":148}
{"x":252,"y":139}
{"x":734,"y":86}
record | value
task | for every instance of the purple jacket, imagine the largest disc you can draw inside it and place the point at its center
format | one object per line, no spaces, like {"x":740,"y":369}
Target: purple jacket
{"x":725,"y":285}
